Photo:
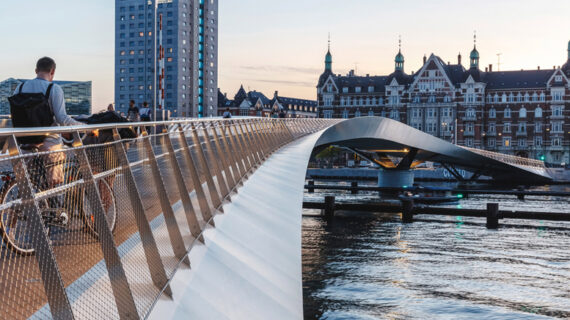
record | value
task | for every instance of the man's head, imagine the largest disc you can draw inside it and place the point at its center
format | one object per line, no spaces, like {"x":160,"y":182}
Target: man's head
{"x":132,"y":103}
{"x":228,"y":109}
{"x":110,"y":107}
{"x":45,"y":68}
{"x":145,"y":104}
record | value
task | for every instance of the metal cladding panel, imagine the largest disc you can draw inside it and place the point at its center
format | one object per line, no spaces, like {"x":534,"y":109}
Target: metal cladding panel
{"x":370,"y":133}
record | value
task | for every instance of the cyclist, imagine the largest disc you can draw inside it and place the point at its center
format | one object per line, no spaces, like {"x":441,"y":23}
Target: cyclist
{"x":39,"y":103}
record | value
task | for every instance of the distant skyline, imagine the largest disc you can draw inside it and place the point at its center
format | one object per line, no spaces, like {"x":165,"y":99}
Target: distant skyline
{"x":280,"y":45}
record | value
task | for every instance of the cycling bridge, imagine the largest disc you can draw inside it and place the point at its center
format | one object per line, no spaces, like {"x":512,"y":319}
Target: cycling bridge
{"x":200,"y":220}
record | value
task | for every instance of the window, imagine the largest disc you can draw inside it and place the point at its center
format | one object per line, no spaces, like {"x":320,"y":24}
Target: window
{"x":469,"y":142}
{"x":537,"y":127}
{"x":491,"y":143}
{"x":492,"y":113}
{"x":447,"y":99}
{"x":557,"y":95}
{"x":431,"y":99}
{"x":504,"y":98}
{"x":492,"y":128}
{"x":345,"y":90}
{"x":328,"y":101}
{"x":538,"y":112}
{"x":507,"y":127}
{"x":556,"y":142}
{"x":538,"y":141}
{"x":417,"y":99}
{"x":507,"y":112}
{"x":371,"y":89}
{"x":357,"y":89}
{"x":558,"y":79}
{"x":534,"y":97}
{"x":370,"y":113}
{"x":470,"y":113}
{"x":328,"y":114}
{"x":526,"y":97}
{"x":522,"y":127}
{"x":469,"y":127}
{"x":357,"y":113}
{"x":345,"y":114}
{"x":394,"y":114}
{"x":329,"y":87}
{"x":557,"y":126}
{"x":557,"y":111}
{"x":431,"y":113}
{"x":522,"y":113}
{"x":507,"y":142}
{"x":522,"y":142}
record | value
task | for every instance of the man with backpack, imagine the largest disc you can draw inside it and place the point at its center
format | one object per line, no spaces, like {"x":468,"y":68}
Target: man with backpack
{"x":40,"y":103}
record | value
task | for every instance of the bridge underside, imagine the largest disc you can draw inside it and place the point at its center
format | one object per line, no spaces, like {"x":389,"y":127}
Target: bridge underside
{"x":394,"y":145}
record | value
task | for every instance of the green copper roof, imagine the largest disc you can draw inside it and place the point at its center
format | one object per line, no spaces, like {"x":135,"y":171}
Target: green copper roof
{"x":474,"y":54}
{"x":328,"y":57}
{"x":399,"y":57}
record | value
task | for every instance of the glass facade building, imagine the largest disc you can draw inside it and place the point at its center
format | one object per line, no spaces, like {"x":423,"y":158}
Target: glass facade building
{"x":77,"y":95}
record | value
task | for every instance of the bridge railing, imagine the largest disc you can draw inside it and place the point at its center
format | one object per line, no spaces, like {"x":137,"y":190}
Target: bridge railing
{"x":98,"y":229}
{"x":510,"y":159}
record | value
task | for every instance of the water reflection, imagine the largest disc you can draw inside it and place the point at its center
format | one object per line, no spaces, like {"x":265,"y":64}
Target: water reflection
{"x":450,"y":268}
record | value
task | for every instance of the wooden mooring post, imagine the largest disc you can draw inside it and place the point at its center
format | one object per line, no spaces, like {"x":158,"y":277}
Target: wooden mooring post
{"x":492,"y":216}
{"x":354,"y":187}
{"x":311,"y":187}
{"x":407,"y":211}
{"x":329,"y":206}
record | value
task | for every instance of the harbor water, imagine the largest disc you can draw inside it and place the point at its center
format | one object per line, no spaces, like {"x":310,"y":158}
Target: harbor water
{"x":372,"y":266}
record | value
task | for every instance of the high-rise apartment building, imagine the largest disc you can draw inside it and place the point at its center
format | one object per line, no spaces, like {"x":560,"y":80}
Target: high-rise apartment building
{"x":190,"y":43}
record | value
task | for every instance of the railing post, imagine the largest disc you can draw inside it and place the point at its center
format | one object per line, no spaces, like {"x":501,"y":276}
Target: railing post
{"x":191,"y":218}
{"x":121,"y":290}
{"x":51,"y":277}
{"x":255,"y":154}
{"x":238,"y":151}
{"x":265,"y":135}
{"x":248,"y":143}
{"x":231,"y":150}
{"x":243,"y":146}
{"x":169,"y":218}
{"x":155,"y":265}
{"x":200,"y":194}
{"x":214,"y":195}
{"x":257,"y":139}
{"x":214,"y":159}
{"x":223,"y":154}
{"x":262,"y":137}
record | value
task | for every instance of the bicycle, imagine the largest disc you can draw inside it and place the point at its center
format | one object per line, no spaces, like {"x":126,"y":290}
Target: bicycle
{"x":56,"y":210}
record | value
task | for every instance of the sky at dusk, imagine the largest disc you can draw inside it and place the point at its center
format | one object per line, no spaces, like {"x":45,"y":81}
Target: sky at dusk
{"x":280,"y":45}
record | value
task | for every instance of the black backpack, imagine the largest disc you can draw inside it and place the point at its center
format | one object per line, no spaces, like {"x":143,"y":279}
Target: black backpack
{"x":111,"y":117}
{"x":31,"y":110}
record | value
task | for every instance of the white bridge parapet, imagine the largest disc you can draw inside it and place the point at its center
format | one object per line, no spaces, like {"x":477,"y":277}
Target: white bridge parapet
{"x":250,"y":266}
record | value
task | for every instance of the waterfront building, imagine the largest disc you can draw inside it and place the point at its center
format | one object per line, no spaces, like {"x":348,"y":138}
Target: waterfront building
{"x":77,"y":95}
{"x":525,"y":113}
{"x":256,"y":104}
{"x":190,"y":43}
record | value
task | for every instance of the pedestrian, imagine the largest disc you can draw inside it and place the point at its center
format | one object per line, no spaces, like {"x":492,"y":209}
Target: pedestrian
{"x":227,"y":114}
{"x":133,"y":114}
{"x":145,"y":112}
{"x":41,"y":103}
{"x":110,"y":107}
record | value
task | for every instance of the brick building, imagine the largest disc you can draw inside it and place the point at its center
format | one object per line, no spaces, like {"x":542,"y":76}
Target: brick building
{"x":256,"y":104}
{"x":526,"y":112}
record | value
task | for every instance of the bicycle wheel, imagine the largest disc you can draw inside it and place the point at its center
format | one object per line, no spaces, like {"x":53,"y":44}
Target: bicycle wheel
{"x":14,"y":225}
{"x":109,"y":205}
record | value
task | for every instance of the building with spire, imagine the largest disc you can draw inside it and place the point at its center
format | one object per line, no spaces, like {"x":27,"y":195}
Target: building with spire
{"x":524,"y":113}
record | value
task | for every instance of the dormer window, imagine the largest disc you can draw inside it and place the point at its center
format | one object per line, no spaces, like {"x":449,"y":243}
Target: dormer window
{"x":558,"y":79}
{"x":357,"y":89}
{"x":371,"y":89}
{"x":329,"y":87}
{"x":345,"y":90}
